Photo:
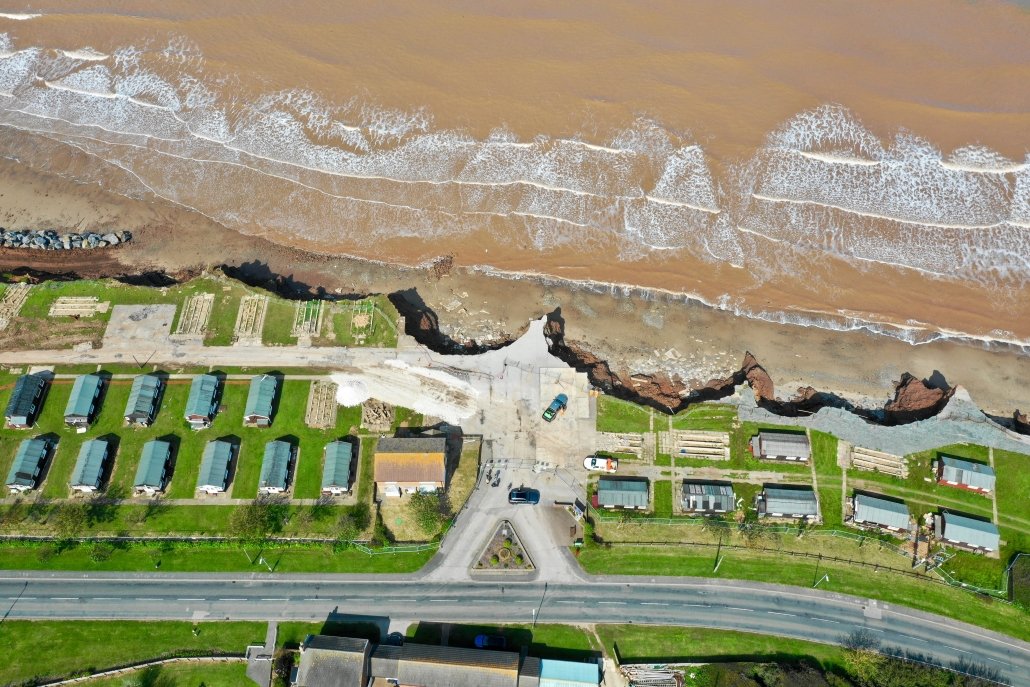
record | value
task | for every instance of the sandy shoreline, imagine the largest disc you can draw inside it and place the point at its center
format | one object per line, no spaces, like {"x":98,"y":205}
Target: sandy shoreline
{"x":637,"y":332}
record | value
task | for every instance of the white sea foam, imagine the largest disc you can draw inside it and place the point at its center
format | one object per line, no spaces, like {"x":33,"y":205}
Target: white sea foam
{"x":19,"y":16}
{"x":85,"y":54}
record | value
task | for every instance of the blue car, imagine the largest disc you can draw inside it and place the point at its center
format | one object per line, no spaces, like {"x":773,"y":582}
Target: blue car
{"x":490,"y":642}
{"x":557,"y":405}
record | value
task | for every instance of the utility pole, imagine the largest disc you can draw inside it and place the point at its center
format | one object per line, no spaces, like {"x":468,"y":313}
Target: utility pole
{"x":825,"y":578}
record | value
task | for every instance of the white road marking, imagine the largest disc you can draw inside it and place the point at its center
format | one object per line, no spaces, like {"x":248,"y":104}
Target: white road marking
{"x":737,"y":608}
{"x":189,"y":599}
{"x":826,"y":620}
{"x":566,"y":602}
{"x":792,"y":615}
{"x":443,"y":601}
{"x":962,"y":651}
{"x":1004,"y":663}
{"x":275,"y":599}
{"x":612,"y":603}
{"x":66,"y":598}
{"x":914,"y":639}
{"x":652,"y":603}
{"x":142,"y":598}
{"x":696,"y":605}
{"x":314,"y":599}
{"x":232,"y":599}
{"x":105,"y":598}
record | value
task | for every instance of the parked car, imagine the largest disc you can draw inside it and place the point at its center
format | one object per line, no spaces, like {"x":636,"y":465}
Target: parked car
{"x":524,"y":495}
{"x":490,"y":642}
{"x":557,"y":405}
{"x":601,"y":463}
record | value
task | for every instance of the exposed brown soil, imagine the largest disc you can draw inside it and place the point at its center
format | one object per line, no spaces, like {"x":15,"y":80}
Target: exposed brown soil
{"x":915,"y":399}
{"x":25,"y":333}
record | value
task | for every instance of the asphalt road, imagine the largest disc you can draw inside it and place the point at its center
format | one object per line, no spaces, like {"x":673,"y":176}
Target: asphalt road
{"x":768,"y":609}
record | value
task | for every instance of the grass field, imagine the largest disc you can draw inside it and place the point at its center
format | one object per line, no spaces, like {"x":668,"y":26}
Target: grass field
{"x":371,"y":321}
{"x":714,"y":417}
{"x":616,"y":415}
{"x":216,"y":559}
{"x":933,"y":597}
{"x":661,"y":644}
{"x":208,"y":674}
{"x":829,"y":476}
{"x":663,"y":495}
{"x":83,"y":647}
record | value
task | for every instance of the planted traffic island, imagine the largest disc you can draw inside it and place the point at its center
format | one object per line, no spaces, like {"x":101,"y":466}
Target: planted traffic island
{"x":503,"y":553}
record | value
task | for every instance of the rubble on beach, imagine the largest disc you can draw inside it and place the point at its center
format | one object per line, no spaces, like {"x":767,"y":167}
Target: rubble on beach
{"x":51,"y":240}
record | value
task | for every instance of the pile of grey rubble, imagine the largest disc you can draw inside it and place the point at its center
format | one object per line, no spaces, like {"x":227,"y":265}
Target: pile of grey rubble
{"x":51,"y":240}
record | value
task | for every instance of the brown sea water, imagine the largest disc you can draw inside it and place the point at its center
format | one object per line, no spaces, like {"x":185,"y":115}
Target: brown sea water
{"x":845,"y":165}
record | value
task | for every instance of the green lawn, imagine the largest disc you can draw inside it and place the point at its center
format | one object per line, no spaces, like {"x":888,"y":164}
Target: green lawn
{"x":716,"y":417}
{"x":661,"y":644}
{"x":210,"y":674}
{"x":81,"y":647}
{"x":342,"y":325}
{"x":663,"y":489}
{"x":291,"y":634}
{"x":313,"y":558}
{"x":278,"y":329}
{"x":745,"y":564}
{"x":616,"y":415}
{"x":829,"y":476}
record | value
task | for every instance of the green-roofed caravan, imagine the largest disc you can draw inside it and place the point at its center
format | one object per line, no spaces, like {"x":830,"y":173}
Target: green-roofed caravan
{"x":202,"y":403}
{"x":89,"y":468}
{"x":275,"y":467}
{"x":152,"y":473}
{"x":260,"y":398}
{"x":28,"y":464}
{"x":82,"y":404}
{"x":339,"y":456}
{"x":142,"y":405}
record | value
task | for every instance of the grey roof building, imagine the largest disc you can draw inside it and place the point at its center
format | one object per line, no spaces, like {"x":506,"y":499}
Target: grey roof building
{"x":339,"y":457}
{"x":788,"y":502}
{"x":260,"y":399}
{"x":343,"y":662}
{"x":214,"y":467}
{"x":89,"y":467}
{"x":142,"y":404}
{"x":152,"y":473}
{"x":333,"y":662}
{"x":967,"y":532}
{"x":881,"y":512}
{"x":443,"y":666}
{"x":709,"y":497}
{"x":964,"y":473}
{"x":275,"y":467}
{"x":26,"y":401}
{"x":781,"y":446}
{"x":622,"y":492}
{"x":202,"y":403}
{"x":28,"y":464}
{"x":82,"y":404}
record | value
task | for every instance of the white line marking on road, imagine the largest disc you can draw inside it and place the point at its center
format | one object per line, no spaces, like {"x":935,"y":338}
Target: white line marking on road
{"x":443,"y":601}
{"x":792,"y":615}
{"x":962,"y":651}
{"x":66,"y":598}
{"x":696,"y":605}
{"x":873,"y":629}
{"x":105,"y":598}
{"x":355,"y":599}
{"x":189,"y":599}
{"x":827,"y":620}
{"x":737,"y":608}
{"x":314,"y":599}
{"x":526,"y":601}
{"x":612,"y":603}
{"x":566,"y":602}
{"x":232,"y":599}
{"x":488,"y":601}
{"x":914,"y":639}
{"x":275,"y":599}
{"x":22,"y":598}
{"x":142,"y":598}
{"x":652,"y":603}
{"x":1004,"y":663}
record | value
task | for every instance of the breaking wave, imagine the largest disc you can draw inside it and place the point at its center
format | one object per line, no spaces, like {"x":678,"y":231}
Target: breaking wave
{"x":823,"y":186}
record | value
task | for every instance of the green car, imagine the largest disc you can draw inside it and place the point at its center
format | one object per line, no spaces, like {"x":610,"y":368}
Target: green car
{"x":558,"y":404}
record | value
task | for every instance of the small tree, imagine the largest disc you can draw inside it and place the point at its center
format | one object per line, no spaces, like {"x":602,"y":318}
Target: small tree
{"x":425,"y":509}
{"x":70,"y":519}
